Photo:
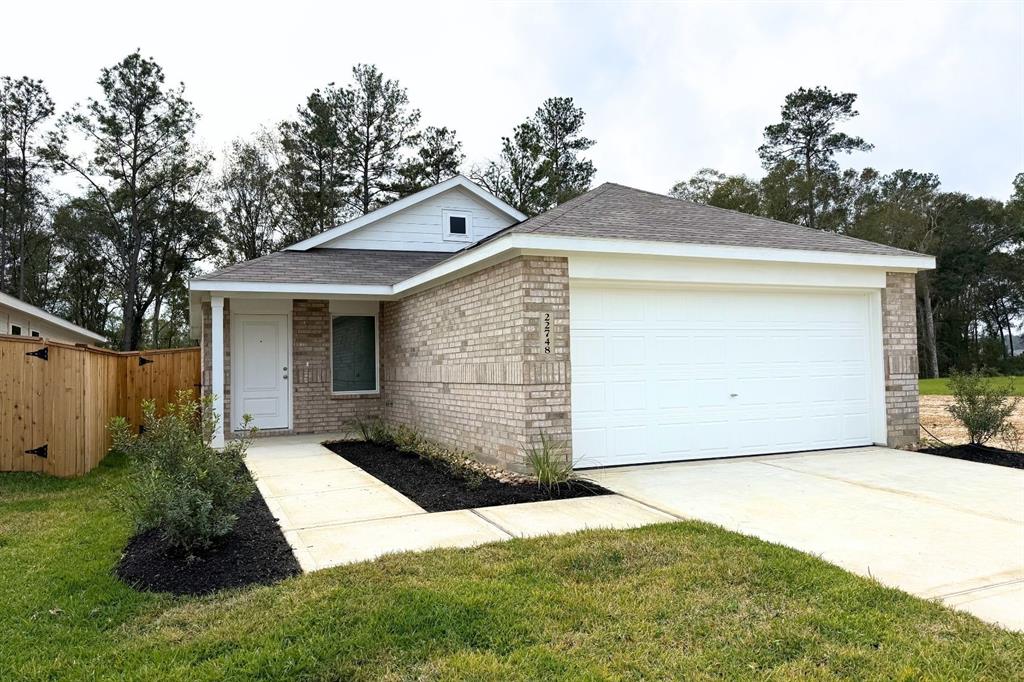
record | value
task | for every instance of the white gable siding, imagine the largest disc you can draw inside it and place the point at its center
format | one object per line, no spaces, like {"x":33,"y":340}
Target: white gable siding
{"x":419,"y":228}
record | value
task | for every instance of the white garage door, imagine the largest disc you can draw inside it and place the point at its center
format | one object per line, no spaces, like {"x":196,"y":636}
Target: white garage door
{"x":672,"y":373}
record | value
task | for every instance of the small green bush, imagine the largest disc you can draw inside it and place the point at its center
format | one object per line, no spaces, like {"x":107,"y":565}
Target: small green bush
{"x":372,"y":430}
{"x":177,"y":482}
{"x":983,"y":407}
{"x":549,"y":461}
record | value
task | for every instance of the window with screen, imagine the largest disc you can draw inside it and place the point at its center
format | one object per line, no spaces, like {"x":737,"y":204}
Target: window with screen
{"x":354,"y":354}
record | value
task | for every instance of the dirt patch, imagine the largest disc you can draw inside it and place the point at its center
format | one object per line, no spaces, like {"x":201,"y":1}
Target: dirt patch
{"x":436,"y":487}
{"x":254,"y":553}
{"x":981,"y":453}
{"x":936,"y":418}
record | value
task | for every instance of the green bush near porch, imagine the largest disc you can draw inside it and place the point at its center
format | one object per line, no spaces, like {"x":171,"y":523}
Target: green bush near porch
{"x":676,"y":601}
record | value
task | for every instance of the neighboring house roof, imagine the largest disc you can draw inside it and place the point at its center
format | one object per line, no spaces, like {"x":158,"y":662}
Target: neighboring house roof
{"x":33,"y":311}
{"x":329,"y":266}
{"x":613,"y":211}
{"x":405,"y":202}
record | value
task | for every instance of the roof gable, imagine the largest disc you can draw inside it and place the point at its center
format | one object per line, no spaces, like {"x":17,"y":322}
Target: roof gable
{"x":495,"y":215}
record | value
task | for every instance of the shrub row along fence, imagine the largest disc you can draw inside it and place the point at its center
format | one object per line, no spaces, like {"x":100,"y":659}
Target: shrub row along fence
{"x":57,"y":398}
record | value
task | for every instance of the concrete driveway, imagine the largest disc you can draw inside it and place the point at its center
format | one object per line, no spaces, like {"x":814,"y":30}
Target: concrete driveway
{"x":936,"y":527}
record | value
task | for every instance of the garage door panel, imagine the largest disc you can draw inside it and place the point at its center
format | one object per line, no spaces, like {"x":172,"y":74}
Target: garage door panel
{"x":589,"y":398}
{"x":587,"y":350}
{"x":627,"y":351}
{"x":662,"y":374}
{"x":629,"y":395}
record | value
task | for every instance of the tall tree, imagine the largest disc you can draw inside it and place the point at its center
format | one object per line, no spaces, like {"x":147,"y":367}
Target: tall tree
{"x":714,"y":188}
{"x":379,"y":126}
{"x":25,"y":107}
{"x":251,"y":198}
{"x":315,"y":169}
{"x":540,"y":165}
{"x":807,"y":135}
{"x":87,"y":296}
{"x":144,"y":170}
{"x":437,"y":158}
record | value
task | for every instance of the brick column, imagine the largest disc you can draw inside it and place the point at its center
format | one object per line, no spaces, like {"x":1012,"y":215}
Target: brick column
{"x":899,"y":344}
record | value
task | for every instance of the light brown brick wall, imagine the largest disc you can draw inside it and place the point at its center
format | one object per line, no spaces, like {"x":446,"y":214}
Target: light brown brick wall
{"x":315,"y":409}
{"x":465,"y":363}
{"x":899,"y":343}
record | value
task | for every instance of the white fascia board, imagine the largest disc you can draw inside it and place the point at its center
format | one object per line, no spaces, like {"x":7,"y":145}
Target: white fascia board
{"x":411,"y":200}
{"x":546,"y":242}
{"x":298,"y":289}
{"x":29,"y":309}
{"x":550,"y":244}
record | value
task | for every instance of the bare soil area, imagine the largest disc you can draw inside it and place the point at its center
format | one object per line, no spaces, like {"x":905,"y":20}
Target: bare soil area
{"x":937,"y":419}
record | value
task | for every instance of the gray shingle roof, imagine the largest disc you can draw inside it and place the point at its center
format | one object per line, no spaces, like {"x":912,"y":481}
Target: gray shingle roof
{"x":613,"y":211}
{"x":329,"y":266}
{"x":609,"y":211}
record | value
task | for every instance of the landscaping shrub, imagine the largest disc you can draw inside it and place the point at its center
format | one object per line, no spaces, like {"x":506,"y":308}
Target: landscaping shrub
{"x":178,"y":483}
{"x":550,"y":462}
{"x":983,"y":407}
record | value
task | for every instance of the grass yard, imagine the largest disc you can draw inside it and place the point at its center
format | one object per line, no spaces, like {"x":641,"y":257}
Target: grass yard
{"x":675,"y":601}
{"x":941,"y":386}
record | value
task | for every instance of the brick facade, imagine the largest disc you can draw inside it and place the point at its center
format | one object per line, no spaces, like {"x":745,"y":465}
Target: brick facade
{"x":315,"y":409}
{"x":470,"y":363}
{"x":899,"y":344}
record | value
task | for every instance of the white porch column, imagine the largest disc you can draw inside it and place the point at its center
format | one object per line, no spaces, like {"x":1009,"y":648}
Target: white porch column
{"x":217,"y":366}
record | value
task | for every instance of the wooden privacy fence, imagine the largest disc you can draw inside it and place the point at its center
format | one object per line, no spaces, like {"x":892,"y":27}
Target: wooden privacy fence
{"x":56,"y":399}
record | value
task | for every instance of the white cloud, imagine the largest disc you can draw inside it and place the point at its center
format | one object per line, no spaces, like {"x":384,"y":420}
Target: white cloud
{"x":668,"y":88}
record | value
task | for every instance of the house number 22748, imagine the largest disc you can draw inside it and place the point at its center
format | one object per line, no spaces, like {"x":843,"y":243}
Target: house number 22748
{"x":546,"y":333}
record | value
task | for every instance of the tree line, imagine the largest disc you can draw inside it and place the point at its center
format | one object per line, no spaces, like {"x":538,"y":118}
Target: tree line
{"x":115,"y":256}
{"x":971,"y":306}
{"x":152,"y":206}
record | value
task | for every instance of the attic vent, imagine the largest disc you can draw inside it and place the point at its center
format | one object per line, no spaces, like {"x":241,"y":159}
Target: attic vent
{"x":457,"y":225}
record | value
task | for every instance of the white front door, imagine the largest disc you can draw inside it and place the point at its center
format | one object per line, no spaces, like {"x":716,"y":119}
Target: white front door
{"x":671,"y":373}
{"x":260,"y":370}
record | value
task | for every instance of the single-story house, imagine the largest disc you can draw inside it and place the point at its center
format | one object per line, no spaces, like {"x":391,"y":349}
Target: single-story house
{"x":633,"y":326}
{"x":18,"y":318}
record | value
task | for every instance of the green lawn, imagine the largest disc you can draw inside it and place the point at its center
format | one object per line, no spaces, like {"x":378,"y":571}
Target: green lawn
{"x":941,"y":386}
{"x":683,"y":600}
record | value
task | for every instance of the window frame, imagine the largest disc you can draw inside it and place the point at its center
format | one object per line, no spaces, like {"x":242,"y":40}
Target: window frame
{"x":446,"y":234}
{"x":19,"y":328}
{"x":376,"y":353}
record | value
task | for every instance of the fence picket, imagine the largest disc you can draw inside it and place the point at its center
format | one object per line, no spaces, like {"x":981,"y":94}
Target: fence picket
{"x":67,"y":400}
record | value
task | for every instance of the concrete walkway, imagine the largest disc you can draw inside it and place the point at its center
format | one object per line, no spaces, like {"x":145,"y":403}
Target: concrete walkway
{"x":936,"y":527}
{"x":332,"y":512}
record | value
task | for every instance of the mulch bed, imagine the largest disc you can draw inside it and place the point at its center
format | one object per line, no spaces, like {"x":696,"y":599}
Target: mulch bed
{"x":253,"y":553}
{"x":980,"y":453}
{"x":436,"y":487}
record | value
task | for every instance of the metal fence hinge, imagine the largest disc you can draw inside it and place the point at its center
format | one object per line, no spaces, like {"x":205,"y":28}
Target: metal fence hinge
{"x":144,"y":361}
{"x":43,"y":353}
{"x":41,"y":451}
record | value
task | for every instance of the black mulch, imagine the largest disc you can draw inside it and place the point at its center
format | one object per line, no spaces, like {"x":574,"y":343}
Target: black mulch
{"x":436,"y":487}
{"x":253,"y":553}
{"x":981,"y":453}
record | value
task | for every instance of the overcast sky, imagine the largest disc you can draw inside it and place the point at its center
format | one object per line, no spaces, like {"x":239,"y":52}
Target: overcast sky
{"x":668,"y":88}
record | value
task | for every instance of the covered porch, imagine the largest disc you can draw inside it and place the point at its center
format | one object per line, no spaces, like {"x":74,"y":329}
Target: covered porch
{"x":293,"y":365}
